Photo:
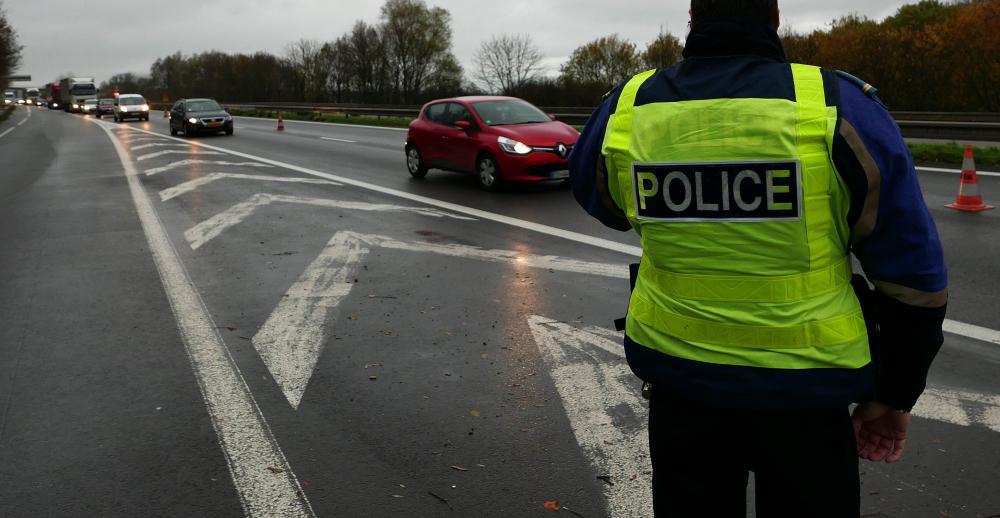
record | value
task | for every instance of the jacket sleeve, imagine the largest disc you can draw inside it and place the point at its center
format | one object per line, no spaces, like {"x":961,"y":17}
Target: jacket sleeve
{"x":588,"y":173}
{"x":897,"y":244}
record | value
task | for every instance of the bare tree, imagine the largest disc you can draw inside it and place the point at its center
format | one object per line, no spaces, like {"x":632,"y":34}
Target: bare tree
{"x":506,"y":62}
{"x":416,"y":37}
{"x":306,"y":56}
{"x":369,"y":61}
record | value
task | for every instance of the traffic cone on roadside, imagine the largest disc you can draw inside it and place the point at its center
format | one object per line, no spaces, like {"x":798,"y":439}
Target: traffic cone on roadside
{"x":969,"y":199}
{"x":166,"y":114}
{"x":281,"y":122}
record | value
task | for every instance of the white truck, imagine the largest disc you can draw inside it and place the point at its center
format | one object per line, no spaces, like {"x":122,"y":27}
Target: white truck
{"x":75,"y":91}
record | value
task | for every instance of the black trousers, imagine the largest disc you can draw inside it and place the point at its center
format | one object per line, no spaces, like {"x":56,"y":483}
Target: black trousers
{"x":804,"y":463}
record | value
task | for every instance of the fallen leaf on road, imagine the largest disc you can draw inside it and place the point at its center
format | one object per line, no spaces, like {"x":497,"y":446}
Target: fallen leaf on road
{"x":372,"y":378}
{"x":475,"y":413}
{"x":606,"y":479}
{"x":552,"y":505}
{"x":458,"y":468}
{"x":275,"y":470}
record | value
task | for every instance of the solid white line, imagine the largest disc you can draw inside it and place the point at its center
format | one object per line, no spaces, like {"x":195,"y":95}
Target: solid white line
{"x":186,"y":187}
{"x":244,"y":435}
{"x":339,"y":140}
{"x":605,"y":410}
{"x":212,"y":227}
{"x":983,"y":334}
{"x":386,"y":128}
{"x":454,"y":207}
{"x":954,"y":171}
{"x":481,"y":214}
{"x":182,"y":163}
{"x":291,"y":340}
{"x":192,"y":151}
{"x":158,"y":144}
{"x":4,"y":134}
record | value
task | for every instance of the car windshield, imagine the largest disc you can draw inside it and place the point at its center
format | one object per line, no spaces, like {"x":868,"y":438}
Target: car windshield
{"x":203,"y":106}
{"x":131,"y":101}
{"x":84,"y":89}
{"x":90,"y":101}
{"x":509,"y":112}
{"x":107,"y":101}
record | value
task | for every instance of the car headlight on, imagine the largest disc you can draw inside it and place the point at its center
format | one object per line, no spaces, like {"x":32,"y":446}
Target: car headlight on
{"x":145,"y":107}
{"x":76,"y":106}
{"x":513,"y":146}
{"x":193,"y":120}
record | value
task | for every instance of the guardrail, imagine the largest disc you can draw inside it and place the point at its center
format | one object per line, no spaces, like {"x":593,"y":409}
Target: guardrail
{"x":930,"y":125}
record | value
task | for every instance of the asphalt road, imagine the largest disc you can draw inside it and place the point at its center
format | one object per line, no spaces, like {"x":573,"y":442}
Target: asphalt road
{"x":288,"y":325}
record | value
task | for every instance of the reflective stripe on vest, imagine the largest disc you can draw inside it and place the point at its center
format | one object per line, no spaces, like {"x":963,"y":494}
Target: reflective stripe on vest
{"x":738,"y":288}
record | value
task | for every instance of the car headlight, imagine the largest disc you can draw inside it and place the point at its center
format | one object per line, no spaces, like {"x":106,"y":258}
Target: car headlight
{"x":145,"y":107}
{"x":513,"y":146}
{"x":76,"y":106}
{"x":193,"y":120}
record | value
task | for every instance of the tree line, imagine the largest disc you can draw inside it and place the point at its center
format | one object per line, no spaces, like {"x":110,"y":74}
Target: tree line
{"x":929,"y":56}
{"x":10,"y":50}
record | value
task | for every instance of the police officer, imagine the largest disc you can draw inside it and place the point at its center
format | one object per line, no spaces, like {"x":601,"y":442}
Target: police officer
{"x":750,"y":181}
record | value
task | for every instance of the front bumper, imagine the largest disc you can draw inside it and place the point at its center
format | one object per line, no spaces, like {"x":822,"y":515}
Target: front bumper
{"x":138,"y":114}
{"x":203,"y":126}
{"x":533,"y":167}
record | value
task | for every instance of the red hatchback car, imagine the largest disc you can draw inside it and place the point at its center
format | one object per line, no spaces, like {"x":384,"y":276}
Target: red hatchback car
{"x":500,"y":139}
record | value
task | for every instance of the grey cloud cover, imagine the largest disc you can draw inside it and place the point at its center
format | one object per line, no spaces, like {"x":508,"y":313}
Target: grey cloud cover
{"x":105,"y":37}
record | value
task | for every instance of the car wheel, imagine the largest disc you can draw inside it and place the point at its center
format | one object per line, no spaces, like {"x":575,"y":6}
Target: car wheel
{"x":230,"y":132}
{"x":99,"y":116}
{"x":173,"y":132}
{"x":414,"y":162}
{"x":488,"y":173}
{"x":188,"y":132}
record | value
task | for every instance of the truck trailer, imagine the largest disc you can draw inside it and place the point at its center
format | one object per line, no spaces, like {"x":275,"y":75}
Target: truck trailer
{"x":75,"y":91}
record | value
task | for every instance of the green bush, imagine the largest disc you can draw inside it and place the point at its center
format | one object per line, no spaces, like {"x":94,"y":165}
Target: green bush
{"x":6,"y":113}
{"x":951,"y":155}
{"x":365,"y":120}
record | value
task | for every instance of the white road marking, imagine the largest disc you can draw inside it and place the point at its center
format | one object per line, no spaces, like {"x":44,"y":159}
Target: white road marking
{"x":26,"y":117}
{"x":292,"y":339}
{"x":605,"y":409}
{"x":955,"y":171}
{"x":983,"y":334}
{"x":244,"y":434}
{"x":192,"y":151}
{"x":158,"y":144}
{"x":182,"y":163}
{"x":150,"y":139}
{"x":211,"y":228}
{"x":4,"y":134}
{"x":454,"y":207}
{"x":606,"y":244}
{"x":590,"y":372}
{"x":186,"y":187}
{"x":339,"y":140}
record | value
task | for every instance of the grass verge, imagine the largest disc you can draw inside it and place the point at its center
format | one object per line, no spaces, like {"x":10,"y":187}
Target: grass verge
{"x":387,"y":122}
{"x":5,"y":113}
{"x":950,"y":155}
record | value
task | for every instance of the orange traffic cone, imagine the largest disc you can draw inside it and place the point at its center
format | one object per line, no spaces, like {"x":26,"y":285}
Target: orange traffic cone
{"x":166,"y":114}
{"x":969,"y":199}
{"x":281,"y":122}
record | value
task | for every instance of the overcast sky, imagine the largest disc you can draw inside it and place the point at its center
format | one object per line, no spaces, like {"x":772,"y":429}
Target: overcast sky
{"x":105,"y":37}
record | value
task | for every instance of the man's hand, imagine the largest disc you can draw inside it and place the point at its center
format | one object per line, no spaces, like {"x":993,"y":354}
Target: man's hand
{"x":880,"y":432}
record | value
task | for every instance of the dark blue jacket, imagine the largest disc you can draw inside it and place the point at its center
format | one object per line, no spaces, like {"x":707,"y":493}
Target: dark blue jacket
{"x":893,"y":235}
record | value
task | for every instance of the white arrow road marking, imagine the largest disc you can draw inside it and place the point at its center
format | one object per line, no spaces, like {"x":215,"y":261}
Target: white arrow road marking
{"x":605,"y":409}
{"x":589,"y":369}
{"x":192,"y":151}
{"x":244,"y":435}
{"x":211,"y":228}
{"x":182,"y":163}
{"x":291,"y":340}
{"x":970,"y":331}
{"x":159,"y":144}
{"x":186,"y":187}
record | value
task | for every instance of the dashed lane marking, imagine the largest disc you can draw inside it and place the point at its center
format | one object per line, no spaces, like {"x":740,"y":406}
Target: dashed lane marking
{"x":159,"y":144}
{"x":243,"y":432}
{"x":191,"y":151}
{"x":184,"y":163}
{"x":211,"y":228}
{"x":331,"y":139}
{"x":186,"y":187}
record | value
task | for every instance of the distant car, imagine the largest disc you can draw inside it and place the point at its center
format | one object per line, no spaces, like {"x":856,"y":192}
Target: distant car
{"x":131,"y":106}
{"x":499,"y":139}
{"x":193,"y":116}
{"x":9,"y":98}
{"x":89,"y":106}
{"x":105,"y":107}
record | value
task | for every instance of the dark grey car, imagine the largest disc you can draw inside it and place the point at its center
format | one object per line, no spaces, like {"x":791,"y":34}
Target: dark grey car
{"x":193,"y":116}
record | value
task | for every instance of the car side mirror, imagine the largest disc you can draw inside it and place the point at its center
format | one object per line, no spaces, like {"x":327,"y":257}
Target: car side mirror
{"x":463,"y":125}
{"x":553,"y":117}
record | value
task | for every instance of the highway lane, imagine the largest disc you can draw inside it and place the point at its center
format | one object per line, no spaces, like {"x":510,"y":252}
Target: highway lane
{"x":463,"y":343}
